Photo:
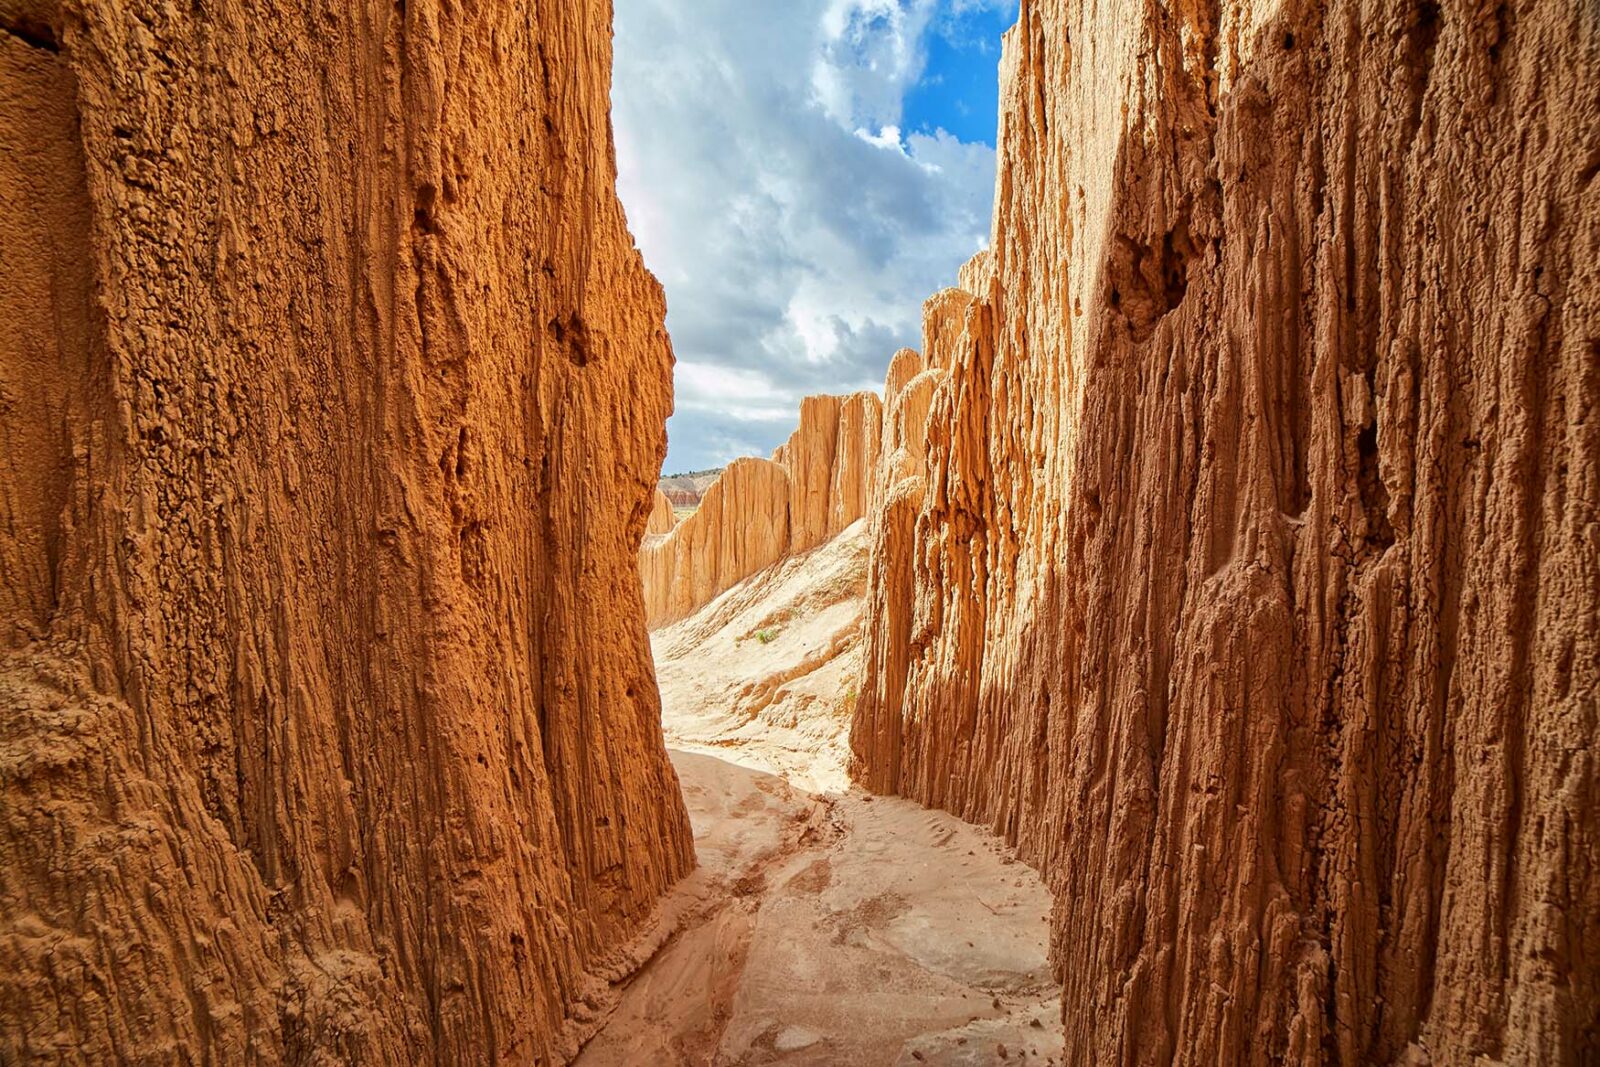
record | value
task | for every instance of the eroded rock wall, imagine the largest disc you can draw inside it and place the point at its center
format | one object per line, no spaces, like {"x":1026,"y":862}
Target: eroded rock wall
{"x":855,"y":460}
{"x":808,"y":455}
{"x":758,"y":511}
{"x":662,"y":517}
{"x":1249,"y":578}
{"x":331,"y":403}
{"x":741,"y":525}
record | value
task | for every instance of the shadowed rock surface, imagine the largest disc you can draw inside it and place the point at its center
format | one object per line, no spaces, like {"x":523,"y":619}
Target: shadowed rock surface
{"x":1246,"y":573}
{"x":1233,"y":552}
{"x":331,"y":406}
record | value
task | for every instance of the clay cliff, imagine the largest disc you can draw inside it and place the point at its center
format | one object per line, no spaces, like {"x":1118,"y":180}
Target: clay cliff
{"x":328,"y":432}
{"x":742,"y":525}
{"x":830,"y":458}
{"x":759,"y":511}
{"x":662,"y":518}
{"x":1244,"y":573}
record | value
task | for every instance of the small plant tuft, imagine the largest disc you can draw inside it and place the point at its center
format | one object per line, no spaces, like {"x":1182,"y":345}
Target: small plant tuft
{"x":766,"y":637}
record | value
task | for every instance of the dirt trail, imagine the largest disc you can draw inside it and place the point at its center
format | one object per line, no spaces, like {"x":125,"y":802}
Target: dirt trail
{"x":826,"y":926}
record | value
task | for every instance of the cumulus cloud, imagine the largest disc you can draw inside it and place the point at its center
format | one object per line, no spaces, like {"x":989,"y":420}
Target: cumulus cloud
{"x":770,"y":183}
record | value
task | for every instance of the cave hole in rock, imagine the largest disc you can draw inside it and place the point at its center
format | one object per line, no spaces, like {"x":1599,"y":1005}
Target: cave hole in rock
{"x":1146,"y":279}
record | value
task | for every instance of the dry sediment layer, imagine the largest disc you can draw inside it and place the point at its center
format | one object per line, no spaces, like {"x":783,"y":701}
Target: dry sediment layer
{"x":768,"y":666}
{"x":685,"y":490}
{"x":759,"y":511}
{"x":684,"y":498}
{"x":1249,"y":580}
{"x":331,"y":400}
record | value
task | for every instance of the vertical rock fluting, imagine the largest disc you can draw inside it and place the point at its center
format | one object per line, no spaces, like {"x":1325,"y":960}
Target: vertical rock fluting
{"x":759,"y":511}
{"x":1249,"y":582}
{"x":830,"y":458}
{"x":855,"y":459}
{"x":331,"y":403}
{"x":741,"y":525}
{"x":808,"y":456}
{"x":662,"y":517}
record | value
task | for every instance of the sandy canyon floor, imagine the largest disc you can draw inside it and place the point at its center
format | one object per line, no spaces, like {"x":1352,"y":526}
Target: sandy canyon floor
{"x":823,"y":925}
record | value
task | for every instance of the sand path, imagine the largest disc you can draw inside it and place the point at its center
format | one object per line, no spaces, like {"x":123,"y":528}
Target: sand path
{"x":824,"y":925}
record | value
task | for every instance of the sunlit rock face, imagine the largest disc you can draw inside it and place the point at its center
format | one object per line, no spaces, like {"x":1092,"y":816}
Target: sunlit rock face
{"x":759,"y":511}
{"x":328,"y":431}
{"x":662,"y":517}
{"x":1234,"y":533}
{"x":741,"y":525}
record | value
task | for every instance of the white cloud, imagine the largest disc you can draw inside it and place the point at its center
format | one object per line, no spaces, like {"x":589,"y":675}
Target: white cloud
{"x":869,"y":54}
{"x":741,"y":394}
{"x":888,"y":137}
{"x":795,"y":244}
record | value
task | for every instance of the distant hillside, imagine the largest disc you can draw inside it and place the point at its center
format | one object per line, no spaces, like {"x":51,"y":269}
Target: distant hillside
{"x":685,"y":490}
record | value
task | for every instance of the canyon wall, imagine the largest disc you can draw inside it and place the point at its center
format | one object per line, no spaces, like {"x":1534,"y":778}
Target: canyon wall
{"x":741,"y":525}
{"x":331,"y":402}
{"x":758,"y":511}
{"x":662,"y":518}
{"x":1245,"y":572}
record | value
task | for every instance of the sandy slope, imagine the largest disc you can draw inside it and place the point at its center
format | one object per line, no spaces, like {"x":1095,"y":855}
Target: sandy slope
{"x":824,"y":925}
{"x":763,"y":674}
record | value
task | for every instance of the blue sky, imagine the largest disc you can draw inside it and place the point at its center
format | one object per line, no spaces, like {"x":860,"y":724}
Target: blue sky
{"x":958,"y":91}
{"x":800,"y":174}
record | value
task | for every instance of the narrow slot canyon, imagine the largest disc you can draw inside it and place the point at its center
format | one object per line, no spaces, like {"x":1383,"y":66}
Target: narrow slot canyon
{"x":1188,"y":654}
{"x":824,"y":924}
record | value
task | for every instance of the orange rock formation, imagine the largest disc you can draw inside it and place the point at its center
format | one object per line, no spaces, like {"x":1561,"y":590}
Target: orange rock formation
{"x":1248,"y":577}
{"x":331,"y":400}
{"x":662,"y":517}
{"x":741,"y":526}
{"x":759,"y":511}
